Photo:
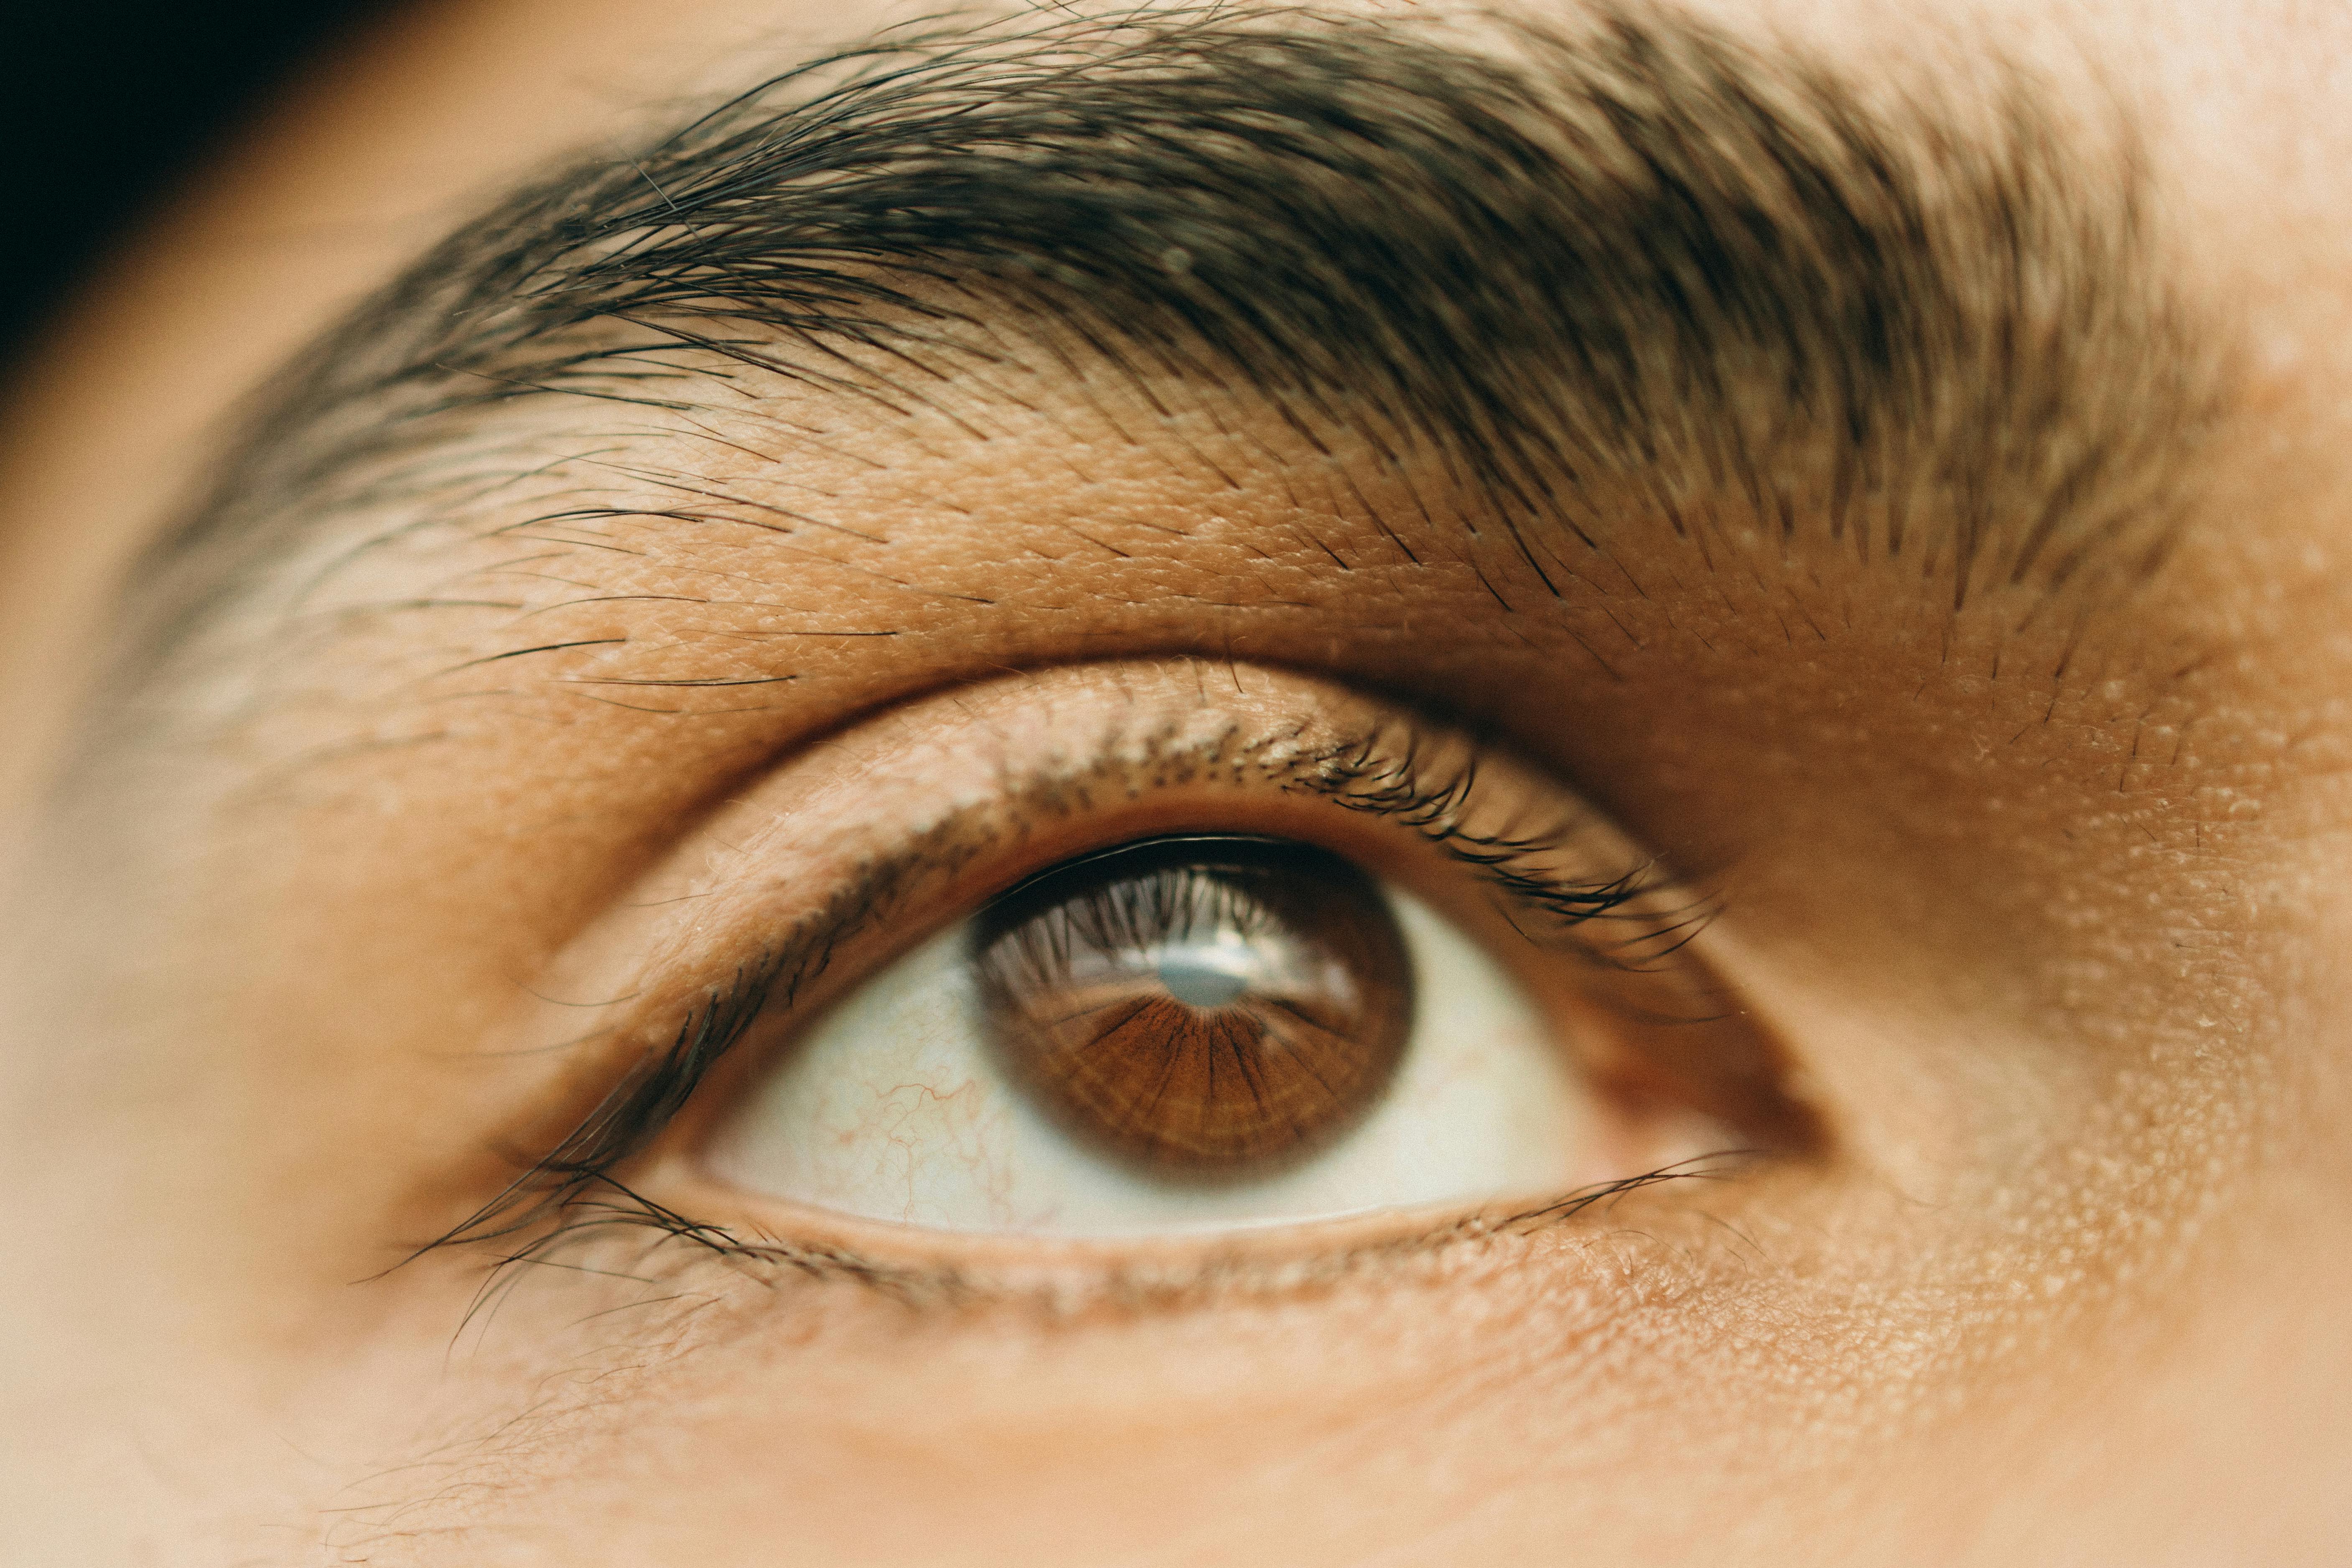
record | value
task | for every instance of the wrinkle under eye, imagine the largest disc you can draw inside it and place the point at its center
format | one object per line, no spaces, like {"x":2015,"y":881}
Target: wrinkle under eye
{"x":1203,"y":1008}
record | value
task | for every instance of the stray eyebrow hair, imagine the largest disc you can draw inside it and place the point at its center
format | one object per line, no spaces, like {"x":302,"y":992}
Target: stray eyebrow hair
{"x":1631,"y":272}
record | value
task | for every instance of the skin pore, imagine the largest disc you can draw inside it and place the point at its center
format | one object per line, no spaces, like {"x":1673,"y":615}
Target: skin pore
{"x":1881,"y":479}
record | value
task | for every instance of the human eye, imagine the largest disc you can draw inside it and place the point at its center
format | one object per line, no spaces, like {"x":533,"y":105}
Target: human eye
{"x":1152,"y":950}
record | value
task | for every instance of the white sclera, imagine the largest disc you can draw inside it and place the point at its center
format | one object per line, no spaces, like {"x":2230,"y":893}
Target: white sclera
{"x":894,"y":1108}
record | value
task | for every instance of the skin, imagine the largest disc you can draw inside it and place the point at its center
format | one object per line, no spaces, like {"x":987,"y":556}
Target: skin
{"x":2063,"y":1285}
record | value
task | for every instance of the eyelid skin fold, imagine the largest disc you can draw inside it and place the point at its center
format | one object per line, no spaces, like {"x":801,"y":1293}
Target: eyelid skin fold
{"x":853,"y":851}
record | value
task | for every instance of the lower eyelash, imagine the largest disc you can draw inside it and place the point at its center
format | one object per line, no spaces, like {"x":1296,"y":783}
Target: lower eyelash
{"x":570,"y":1195}
{"x":933,"y":1287}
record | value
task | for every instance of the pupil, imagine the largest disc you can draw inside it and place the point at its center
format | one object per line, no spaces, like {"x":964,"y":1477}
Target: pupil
{"x":1201,"y":1008}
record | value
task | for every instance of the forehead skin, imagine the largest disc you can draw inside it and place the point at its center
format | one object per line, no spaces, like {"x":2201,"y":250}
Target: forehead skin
{"x":2117,"y":1340}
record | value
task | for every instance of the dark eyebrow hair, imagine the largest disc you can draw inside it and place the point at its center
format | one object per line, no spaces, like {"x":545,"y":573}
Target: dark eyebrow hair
{"x":1633,"y":268}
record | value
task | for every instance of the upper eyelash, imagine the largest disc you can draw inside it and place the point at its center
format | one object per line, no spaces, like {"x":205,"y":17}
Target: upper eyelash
{"x":1378,"y":771}
{"x":1370,"y":777}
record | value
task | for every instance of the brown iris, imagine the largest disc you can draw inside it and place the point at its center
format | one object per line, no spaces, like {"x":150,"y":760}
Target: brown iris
{"x":1203,"y":1008}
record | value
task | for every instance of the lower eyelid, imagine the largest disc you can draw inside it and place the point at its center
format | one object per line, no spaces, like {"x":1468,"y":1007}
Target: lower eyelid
{"x":654,"y":1252}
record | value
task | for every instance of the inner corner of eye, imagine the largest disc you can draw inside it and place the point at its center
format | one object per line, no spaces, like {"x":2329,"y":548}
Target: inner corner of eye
{"x":1190,"y":1032}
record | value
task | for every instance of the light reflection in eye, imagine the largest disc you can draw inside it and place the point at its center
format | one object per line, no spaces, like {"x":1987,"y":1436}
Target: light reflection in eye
{"x":1343,"y":1048}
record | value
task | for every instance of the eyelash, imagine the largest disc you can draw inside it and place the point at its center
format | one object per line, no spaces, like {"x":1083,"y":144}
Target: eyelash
{"x":1379,"y":774}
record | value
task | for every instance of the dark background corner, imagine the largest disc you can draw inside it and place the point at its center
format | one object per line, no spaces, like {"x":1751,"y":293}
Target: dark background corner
{"x":106,"y":105}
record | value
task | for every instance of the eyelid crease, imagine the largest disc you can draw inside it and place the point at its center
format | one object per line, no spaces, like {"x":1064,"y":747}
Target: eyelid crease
{"x":1397,"y":769}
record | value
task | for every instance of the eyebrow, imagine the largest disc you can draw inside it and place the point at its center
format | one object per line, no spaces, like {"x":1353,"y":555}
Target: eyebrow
{"x":1628,"y":272}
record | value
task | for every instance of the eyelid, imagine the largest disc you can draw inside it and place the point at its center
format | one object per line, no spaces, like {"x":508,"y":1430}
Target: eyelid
{"x":1287,"y":745}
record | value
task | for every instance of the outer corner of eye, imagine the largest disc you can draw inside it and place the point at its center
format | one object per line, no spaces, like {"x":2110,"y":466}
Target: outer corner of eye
{"x":1183,"y":1034}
